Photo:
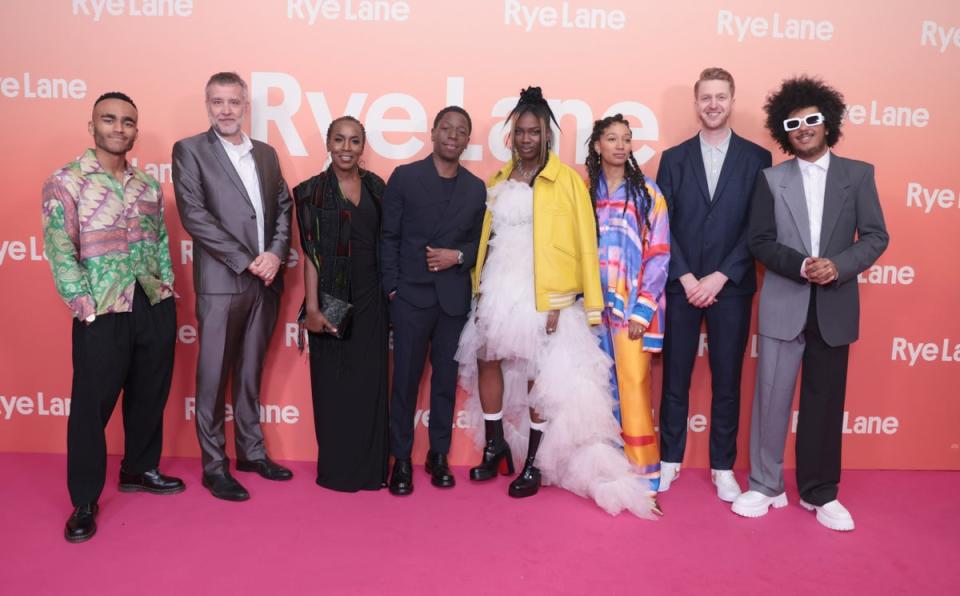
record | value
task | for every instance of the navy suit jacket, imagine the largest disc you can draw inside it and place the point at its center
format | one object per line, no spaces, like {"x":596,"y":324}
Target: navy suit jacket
{"x":417,"y":214}
{"x":711,"y":235}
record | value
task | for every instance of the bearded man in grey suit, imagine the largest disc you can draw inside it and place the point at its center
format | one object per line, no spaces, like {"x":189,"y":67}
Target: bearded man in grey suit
{"x":235,"y":205}
{"x":815,"y":224}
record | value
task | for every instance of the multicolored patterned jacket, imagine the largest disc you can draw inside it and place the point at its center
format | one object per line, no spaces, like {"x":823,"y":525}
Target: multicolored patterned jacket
{"x":634,"y":260}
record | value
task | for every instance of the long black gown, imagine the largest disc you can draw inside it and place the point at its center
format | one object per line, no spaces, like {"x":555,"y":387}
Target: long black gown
{"x":349,"y":376}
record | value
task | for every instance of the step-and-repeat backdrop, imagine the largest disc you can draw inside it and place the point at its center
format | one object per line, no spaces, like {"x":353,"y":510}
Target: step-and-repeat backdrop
{"x":393,"y":64}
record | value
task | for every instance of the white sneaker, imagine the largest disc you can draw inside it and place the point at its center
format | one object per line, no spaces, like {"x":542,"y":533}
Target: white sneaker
{"x":756,"y":504}
{"x":833,"y":515}
{"x":669,"y":472}
{"x":726,"y":483}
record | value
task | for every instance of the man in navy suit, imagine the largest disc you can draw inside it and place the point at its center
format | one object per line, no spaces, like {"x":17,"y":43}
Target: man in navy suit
{"x":708,"y":181}
{"x":432,"y":217}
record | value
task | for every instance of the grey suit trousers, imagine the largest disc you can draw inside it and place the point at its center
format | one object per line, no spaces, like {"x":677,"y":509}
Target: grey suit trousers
{"x":820,"y":422}
{"x":234,"y":332}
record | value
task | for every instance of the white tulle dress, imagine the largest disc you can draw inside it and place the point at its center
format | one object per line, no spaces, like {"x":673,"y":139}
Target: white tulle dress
{"x":581,"y":450}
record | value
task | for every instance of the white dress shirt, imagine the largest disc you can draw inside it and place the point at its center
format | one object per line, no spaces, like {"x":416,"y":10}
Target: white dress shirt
{"x":814,"y":189}
{"x":713,"y":156}
{"x":241,"y":156}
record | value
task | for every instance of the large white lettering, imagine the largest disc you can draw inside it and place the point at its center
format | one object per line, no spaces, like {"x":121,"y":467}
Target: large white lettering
{"x":403,"y":137}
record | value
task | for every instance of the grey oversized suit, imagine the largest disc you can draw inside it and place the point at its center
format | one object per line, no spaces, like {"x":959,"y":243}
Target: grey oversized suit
{"x":803,"y":323}
{"x":236,"y":311}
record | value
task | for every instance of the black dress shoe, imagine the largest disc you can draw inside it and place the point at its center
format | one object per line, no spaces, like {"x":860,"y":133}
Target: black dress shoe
{"x":401,"y":480}
{"x":527,"y":483}
{"x":224,"y":486}
{"x":439,"y":471}
{"x":82,"y":524}
{"x":151,"y":481}
{"x":266,"y":467}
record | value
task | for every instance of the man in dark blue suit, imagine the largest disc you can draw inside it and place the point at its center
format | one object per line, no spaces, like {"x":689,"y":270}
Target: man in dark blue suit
{"x":708,"y":181}
{"x":432,"y":217}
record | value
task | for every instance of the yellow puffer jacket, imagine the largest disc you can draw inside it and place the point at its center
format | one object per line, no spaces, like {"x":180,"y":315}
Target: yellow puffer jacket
{"x":565,"y":262}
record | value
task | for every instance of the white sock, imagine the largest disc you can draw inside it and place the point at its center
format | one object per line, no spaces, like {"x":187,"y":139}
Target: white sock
{"x":493,"y":416}
{"x":538,"y":425}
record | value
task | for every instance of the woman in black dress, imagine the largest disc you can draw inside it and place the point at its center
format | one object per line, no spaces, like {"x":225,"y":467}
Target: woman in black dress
{"x":339,"y":212}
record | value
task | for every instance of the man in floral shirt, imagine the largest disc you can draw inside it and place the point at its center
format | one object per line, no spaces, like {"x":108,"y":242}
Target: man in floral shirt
{"x":107,"y":245}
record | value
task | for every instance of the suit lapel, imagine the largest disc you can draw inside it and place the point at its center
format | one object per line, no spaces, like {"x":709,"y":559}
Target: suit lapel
{"x":834,"y":196}
{"x":729,"y":162}
{"x":221,"y":155}
{"x":792,"y":189}
{"x":260,"y":160}
{"x":699,"y":171}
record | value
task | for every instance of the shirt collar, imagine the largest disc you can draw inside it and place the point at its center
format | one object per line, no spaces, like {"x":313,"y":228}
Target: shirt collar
{"x":722,"y":146}
{"x":245,"y":146}
{"x":89,"y":164}
{"x":823,"y":163}
{"x":604,"y":191}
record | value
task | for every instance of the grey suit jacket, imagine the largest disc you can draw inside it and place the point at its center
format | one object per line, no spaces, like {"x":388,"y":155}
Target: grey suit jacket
{"x":853,"y":235}
{"x":216,"y":211}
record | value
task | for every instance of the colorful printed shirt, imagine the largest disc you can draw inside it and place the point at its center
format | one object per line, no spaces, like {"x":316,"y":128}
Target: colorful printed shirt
{"x":634,"y":260}
{"x":101,"y":236}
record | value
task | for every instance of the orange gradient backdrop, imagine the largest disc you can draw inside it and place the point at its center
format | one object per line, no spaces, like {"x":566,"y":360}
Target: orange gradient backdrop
{"x":393,"y":64}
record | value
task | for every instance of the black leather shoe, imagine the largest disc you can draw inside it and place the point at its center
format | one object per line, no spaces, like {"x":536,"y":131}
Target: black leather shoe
{"x":496,"y":459}
{"x":401,"y":480}
{"x":82,"y":524}
{"x":527,"y":483}
{"x":151,"y":481}
{"x":439,"y":471}
{"x":224,"y":486}
{"x":266,"y":467}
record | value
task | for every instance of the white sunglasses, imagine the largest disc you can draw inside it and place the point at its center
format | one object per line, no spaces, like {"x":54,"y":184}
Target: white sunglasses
{"x":810,"y":120}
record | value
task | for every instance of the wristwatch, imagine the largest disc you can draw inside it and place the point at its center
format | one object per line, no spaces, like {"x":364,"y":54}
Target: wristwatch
{"x":459,"y":257}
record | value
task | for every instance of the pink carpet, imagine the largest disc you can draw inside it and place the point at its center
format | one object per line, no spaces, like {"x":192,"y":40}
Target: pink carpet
{"x":296,"y":538}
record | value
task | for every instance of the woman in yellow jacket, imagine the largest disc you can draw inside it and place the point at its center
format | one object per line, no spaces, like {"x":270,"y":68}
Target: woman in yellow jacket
{"x":527,"y":354}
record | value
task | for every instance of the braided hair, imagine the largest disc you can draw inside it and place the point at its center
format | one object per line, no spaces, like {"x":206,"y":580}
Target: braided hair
{"x":636,"y":185}
{"x":531,"y":101}
{"x":347,"y":118}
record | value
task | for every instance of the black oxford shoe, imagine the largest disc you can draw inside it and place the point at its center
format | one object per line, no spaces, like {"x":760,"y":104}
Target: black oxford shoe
{"x":267,"y":468}
{"x":151,"y":481}
{"x":401,"y":480}
{"x":224,"y":486}
{"x":82,"y":524}
{"x":439,"y":471}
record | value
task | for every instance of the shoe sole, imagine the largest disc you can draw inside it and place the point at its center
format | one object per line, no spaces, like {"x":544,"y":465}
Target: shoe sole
{"x":401,"y":493}
{"x":728,"y":498}
{"x":82,"y":538}
{"x":827,"y":521}
{"x":227,"y":498}
{"x":136,"y":488}
{"x":778,"y":502}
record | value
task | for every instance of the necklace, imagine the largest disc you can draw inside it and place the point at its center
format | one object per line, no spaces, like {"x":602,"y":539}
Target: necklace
{"x":518,"y":166}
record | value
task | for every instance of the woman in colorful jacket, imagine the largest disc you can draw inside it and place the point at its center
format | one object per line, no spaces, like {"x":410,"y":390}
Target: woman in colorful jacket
{"x":634,"y":251}
{"x":527,"y":354}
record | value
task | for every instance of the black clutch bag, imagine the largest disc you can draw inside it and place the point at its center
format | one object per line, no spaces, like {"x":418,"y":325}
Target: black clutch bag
{"x":338,"y":312}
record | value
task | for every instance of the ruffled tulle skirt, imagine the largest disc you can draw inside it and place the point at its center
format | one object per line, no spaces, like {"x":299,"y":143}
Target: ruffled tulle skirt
{"x":581,"y":450}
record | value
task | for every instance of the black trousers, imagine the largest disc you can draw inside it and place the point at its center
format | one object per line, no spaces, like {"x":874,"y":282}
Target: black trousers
{"x":130,"y":352}
{"x":823,"y":388}
{"x":728,"y":327}
{"x":414,"y":330}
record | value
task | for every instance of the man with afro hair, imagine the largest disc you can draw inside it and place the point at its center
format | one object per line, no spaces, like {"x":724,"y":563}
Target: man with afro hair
{"x":815,"y":224}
